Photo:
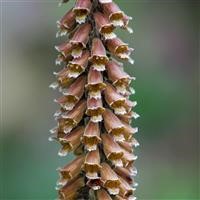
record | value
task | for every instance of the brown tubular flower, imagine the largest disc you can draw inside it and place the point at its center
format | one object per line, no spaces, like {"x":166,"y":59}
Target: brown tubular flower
{"x":110,"y":179}
{"x":80,"y":39}
{"x":98,"y":55}
{"x":119,"y":103}
{"x":73,"y":117}
{"x":73,"y":94}
{"x":120,"y":49}
{"x":95,"y":109}
{"x":113,"y":125}
{"x":71,"y":170}
{"x":112,"y":150}
{"x":81,"y":10}
{"x":95,"y":83}
{"x":78,"y":65}
{"x":66,"y":23}
{"x":94,"y":118}
{"x":70,"y":141}
{"x":120,"y":79}
{"x":91,"y":137}
{"x":104,"y":26}
{"x":114,"y":13}
{"x":92,"y":164}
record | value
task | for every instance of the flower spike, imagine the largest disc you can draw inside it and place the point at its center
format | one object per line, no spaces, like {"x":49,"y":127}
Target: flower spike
{"x":94,"y":118}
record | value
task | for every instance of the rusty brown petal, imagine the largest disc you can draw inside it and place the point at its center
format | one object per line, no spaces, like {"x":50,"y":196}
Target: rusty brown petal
{"x":70,"y":141}
{"x":69,"y":191}
{"x":104,"y":26}
{"x":103,"y":195}
{"x":114,"y":13}
{"x":81,"y":10}
{"x":80,"y":39}
{"x":112,"y":150}
{"x":91,"y":137}
{"x":73,"y":117}
{"x":98,"y":55}
{"x":71,"y":170}
{"x":95,"y":109}
{"x":92,"y":164}
{"x":110,"y":179}
{"x":113,"y":125}
{"x":95,"y":83}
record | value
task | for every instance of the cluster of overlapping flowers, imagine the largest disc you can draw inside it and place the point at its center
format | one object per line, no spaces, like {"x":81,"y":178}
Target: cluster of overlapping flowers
{"x":94,"y":121}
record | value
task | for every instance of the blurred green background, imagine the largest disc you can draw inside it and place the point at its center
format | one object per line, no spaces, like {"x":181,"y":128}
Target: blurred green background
{"x":166,"y":57}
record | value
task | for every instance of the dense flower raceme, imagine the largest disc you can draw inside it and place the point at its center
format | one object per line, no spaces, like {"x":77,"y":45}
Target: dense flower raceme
{"x":94,"y":119}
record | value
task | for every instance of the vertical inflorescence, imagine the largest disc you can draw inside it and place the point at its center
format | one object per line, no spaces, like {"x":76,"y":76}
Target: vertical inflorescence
{"x":94,"y":121}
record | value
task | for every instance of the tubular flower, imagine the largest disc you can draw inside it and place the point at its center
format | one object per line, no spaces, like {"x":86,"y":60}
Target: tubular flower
{"x":95,"y":113}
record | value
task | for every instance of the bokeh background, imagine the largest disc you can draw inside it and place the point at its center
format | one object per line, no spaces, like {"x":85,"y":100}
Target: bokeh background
{"x":166,"y":66}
